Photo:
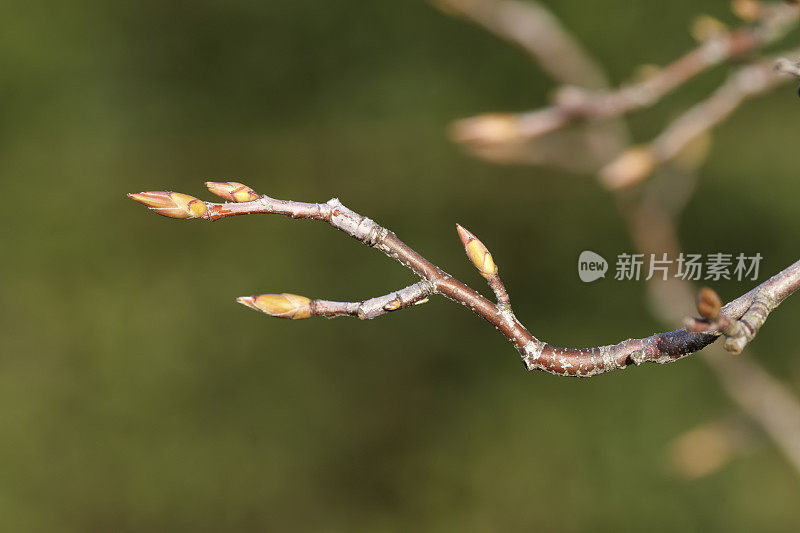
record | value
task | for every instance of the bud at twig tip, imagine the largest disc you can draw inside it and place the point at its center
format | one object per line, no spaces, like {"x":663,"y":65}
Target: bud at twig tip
{"x":629,"y":168}
{"x":171,"y":204}
{"x":464,"y":234}
{"x":282,"y":305}
{"x":489,"y":129}
{"x":477,"y":252}
{"x":232,"y":191}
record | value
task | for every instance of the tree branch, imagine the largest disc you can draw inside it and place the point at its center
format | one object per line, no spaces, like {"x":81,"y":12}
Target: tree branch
{"x":638,"y":162}
{"x":582,"y":362}
{"x":505,"y":137}
{"x":574,"y":104}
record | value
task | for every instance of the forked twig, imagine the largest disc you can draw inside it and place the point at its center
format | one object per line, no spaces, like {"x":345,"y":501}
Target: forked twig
{"x":582,"y":362}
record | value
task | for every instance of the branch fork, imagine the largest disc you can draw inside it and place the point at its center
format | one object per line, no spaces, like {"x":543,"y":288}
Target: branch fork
{"x":746,"y":314}
{"x":738,"y":333}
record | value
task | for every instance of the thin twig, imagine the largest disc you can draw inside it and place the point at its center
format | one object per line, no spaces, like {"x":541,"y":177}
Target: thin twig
{"x":293,"y":306}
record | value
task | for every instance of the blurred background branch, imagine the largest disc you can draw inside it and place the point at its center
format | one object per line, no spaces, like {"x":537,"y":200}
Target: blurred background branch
{"x":650,"y":211}
{"x":579,"y":100}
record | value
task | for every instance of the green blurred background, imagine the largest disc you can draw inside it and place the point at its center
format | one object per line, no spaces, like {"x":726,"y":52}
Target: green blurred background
{"x":135,"y":395}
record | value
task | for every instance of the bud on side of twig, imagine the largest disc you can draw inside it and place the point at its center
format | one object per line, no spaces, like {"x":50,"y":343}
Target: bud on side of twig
{"x":477,"y":253}
{"x":633,"y":166}
{"x":232,"y":191}
{"x":394,"y":305}
{"x":708,"y":303}
{"x":171,"y":204}
{"x":283,"y":305}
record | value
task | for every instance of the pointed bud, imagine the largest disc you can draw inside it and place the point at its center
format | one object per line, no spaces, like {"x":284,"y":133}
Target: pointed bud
{"x":489,"y":129}
{"x":171,"y":204}
{"x":631,"y":167}
{"x":708,"y":303}
{"x":477,"y":253}
{"x":283,"y":305}
{"x":232,"y":191}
